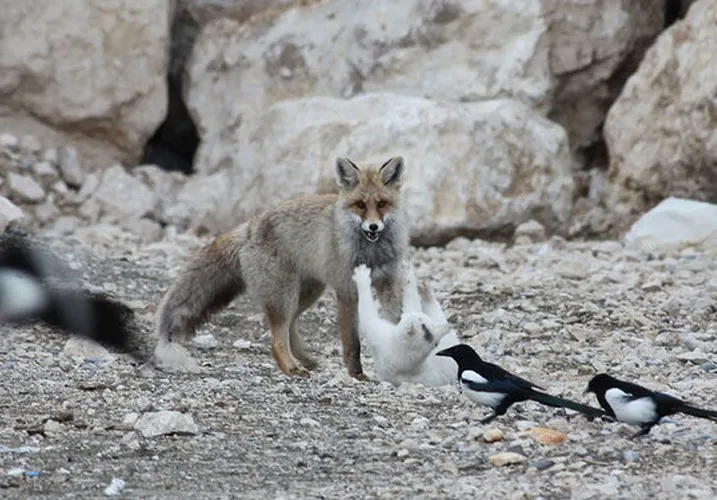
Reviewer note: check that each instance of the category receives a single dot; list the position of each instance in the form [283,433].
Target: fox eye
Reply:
[361,205]
[381,204]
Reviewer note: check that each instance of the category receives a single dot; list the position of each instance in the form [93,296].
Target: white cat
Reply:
[405,352]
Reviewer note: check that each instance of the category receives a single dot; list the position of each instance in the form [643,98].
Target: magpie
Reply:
[634,404]
[34,287]
[490,385]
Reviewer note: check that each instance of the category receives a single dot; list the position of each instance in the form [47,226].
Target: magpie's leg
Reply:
[644,430]
[498,411]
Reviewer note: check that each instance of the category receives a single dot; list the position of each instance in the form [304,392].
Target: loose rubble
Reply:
[238,424]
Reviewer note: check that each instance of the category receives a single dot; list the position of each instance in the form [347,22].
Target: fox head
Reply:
[370,194]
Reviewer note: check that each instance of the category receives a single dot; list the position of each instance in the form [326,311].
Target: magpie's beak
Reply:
[442,353]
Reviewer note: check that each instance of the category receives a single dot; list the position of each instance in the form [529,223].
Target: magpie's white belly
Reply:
[492,399]
[635,411]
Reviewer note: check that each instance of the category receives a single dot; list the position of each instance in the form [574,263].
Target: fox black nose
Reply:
[373,227]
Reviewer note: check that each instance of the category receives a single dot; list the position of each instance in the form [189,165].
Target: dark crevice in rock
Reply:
[675,10]
[173,145]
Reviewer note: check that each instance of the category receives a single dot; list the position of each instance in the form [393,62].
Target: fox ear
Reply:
[392,171]
[346,173]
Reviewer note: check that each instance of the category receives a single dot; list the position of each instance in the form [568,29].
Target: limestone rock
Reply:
[506,458]
[122,196]
[86,71]
[674,224]
[564,58]
[662,131]
[165,422]
[426,49]
[24,188]
[80,347]
[69,164]
[9,212]
[202,11]
[472,169]
[593,46]
[531,230]
[545,435]
[492,435]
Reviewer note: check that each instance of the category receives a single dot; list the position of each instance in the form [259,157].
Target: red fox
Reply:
[285,258]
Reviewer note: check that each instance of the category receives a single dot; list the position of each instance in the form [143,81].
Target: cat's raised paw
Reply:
[362,274]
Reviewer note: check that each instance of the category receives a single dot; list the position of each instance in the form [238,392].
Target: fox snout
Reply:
[371,229]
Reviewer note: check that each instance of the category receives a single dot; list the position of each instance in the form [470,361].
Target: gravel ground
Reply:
[554,312]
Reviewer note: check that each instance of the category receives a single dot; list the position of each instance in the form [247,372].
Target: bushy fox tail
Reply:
[209,282]
[28,294]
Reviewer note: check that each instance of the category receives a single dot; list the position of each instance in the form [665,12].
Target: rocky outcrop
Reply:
[474,169]
[426,49]
[594,47]
[500,103]
[662,131]
[85,72]
[562,57]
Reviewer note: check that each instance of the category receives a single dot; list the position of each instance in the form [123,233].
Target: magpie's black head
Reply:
[601,383]
[462,354]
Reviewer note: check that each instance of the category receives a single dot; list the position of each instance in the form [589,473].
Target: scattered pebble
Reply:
[492,435]
[165,422]
[69,163]
[24,188]
[242,345]
[115,487]
[506,458]
[15,472]
[206,342]
[542,464]
[543,435]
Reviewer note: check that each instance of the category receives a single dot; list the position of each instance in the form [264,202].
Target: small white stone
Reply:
[8,141]
[242,344]
[15,472]
[165,422]
[206,342]
[115,487]
[69,163]
[44,169]
[9,212]
[25,188]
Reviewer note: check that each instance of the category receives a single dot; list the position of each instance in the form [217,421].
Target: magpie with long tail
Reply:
[36,286]
[490,385]
[637,405]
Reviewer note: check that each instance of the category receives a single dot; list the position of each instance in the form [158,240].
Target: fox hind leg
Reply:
[279,322]
[310,292]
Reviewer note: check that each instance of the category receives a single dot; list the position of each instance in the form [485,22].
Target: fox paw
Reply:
[298,372]
[362,274]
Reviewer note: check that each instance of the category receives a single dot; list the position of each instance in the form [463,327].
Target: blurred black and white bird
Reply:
[490,385]
[35,286]
[636,405]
